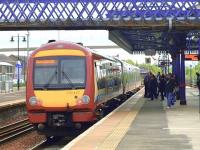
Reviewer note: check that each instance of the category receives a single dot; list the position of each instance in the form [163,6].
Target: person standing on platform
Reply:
[198,81]
[175,88]
[161,86]
[146,84]
[153,85]
[158,80]
[170,86]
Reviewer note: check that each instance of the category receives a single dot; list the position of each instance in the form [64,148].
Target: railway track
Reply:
[13,130]
[39,145]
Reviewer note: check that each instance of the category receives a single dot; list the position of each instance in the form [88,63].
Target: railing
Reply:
[90,13]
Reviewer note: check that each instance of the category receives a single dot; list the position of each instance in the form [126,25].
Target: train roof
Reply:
[70,45]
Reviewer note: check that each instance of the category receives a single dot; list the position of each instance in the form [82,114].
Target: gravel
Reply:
[23,142]
[11,120]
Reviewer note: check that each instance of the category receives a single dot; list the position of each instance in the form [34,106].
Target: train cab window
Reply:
[73,72]
[60,73]
[45,73]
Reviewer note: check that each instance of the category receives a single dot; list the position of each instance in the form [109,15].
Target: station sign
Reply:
[164,63]
[192,57]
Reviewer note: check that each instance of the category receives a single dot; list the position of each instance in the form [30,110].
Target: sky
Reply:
[87,37]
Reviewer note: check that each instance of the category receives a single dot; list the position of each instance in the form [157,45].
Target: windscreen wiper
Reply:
[68,79]
[50,80]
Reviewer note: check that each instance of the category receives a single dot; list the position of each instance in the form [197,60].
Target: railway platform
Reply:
[12,98]
[141,124]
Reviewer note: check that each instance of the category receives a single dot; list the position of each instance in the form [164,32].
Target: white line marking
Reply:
[181,128]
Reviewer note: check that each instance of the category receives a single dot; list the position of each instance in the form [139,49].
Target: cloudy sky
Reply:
[87,37]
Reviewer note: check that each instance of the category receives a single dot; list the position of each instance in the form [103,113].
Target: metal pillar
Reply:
[176,71]
[177,67]
[182,80]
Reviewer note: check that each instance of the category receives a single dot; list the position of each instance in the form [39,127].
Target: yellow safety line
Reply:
[112,141]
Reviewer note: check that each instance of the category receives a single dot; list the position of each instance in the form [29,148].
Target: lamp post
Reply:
[18,60]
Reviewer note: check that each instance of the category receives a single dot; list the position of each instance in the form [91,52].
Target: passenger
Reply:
[161,86]
[153,85]
[175,89]
[158,80]
[146,85]
[198,81]
[169,89]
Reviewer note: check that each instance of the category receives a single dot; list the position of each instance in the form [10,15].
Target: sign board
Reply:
[18,70]
[18,64]
[164,63]
[192,57]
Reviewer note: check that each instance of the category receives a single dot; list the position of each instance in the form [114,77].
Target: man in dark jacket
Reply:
[169,89]
[146,84]
[161,86]
[153,85]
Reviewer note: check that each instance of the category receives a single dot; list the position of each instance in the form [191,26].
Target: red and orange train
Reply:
[68,84]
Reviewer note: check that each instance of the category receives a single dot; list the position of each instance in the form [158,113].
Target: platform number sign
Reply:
[192,57]
[18,67]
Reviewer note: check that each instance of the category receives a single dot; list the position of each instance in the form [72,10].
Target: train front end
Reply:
[58,94]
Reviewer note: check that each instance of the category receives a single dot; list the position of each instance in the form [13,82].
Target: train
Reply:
[69,85]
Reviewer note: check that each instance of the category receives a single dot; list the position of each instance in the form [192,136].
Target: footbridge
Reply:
[164,26]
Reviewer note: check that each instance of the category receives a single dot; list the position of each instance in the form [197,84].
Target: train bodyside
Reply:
[131,77]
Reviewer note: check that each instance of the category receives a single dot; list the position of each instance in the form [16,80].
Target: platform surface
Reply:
[141,124]
[12,98]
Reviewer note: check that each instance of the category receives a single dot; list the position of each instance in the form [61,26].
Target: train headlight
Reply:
[33,101]
[85,99]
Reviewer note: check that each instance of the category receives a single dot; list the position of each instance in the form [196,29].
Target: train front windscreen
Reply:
[59,73]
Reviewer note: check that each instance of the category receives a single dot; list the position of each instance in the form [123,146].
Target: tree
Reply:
[153,68]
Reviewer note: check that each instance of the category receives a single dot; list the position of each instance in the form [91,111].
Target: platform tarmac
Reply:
[12,98]
[141,124]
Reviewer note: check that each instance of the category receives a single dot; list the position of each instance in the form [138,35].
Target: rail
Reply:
[13,130]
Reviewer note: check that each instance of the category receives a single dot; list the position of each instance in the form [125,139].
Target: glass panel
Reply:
[73,72]
[45,74]
[59,72]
